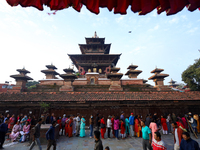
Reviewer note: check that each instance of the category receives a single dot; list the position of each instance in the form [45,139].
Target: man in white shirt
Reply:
[177,136]
[109,125]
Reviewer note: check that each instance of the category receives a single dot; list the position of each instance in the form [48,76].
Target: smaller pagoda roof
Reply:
[157,70]
[49,71]
[51,66]
[68,70]
[19,76]
[133,72]
[172,81]
[157,76]
[23,70]
[132,67]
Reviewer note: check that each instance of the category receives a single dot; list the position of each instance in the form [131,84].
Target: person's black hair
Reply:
[186,133]
[107,148]
[142,121]
[53,122]
[39,119]
[158,134]
[78,114]
[97,114]
[174,123]
[117,117]
[102,117]
[6,120]
[97,134]
[136,116]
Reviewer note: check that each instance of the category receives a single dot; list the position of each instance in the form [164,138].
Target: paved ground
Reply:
[77,143]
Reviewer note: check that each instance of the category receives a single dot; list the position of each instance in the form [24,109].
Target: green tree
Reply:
[44,107]
[31,83]
[191,76]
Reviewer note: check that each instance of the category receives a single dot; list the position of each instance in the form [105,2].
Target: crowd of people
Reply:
[120,127]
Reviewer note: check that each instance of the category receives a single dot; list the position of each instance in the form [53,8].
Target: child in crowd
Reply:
[107,148]
[122,129]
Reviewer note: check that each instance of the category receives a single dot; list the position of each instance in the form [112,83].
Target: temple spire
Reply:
[95,35]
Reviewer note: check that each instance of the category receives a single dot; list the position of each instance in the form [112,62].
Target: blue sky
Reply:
[32,39]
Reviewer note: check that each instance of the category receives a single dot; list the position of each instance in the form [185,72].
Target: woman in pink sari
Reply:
[26,129]
[15,131]
[11,122]
[153,127]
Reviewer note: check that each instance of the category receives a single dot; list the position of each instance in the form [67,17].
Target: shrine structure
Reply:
[21,80]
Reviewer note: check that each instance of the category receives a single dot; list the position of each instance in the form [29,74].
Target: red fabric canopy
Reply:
[120,6]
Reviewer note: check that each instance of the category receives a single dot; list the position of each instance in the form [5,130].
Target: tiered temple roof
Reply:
[132,73]
[21,75]
[95,54]
[173,84]
[158,77]
[50,72]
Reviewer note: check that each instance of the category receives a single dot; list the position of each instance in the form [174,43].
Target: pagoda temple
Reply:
[50,72]
[95,57]
[132,73]
[158,77]
[173,84]
[21,80]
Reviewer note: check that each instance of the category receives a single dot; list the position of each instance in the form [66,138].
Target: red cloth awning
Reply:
[120,6]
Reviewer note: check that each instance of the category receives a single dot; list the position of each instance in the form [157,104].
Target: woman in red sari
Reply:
[164,125]
[70,126]
[112,121]
[59,122]
[103,127]
[66,125]
[123,129]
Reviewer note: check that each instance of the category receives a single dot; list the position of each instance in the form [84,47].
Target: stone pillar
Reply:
[115,85]
[115,79]
[69,78]
[67,85]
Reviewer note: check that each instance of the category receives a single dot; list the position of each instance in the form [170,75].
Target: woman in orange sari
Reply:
[139,127]
[70,126]
[136,125]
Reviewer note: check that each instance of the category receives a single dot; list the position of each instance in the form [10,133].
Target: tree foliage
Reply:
[31,83]
[191,76]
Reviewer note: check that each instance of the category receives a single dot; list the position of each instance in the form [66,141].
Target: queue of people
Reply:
[120,127]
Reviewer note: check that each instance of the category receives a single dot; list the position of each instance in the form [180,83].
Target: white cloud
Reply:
[192,30]
[174,20]
[119,19]
[100,21]
[30,23]
[137,49]
[155,28]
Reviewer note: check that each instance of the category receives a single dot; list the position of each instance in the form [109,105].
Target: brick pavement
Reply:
[77,143]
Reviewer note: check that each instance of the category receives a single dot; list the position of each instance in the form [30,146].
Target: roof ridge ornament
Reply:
[95,35]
